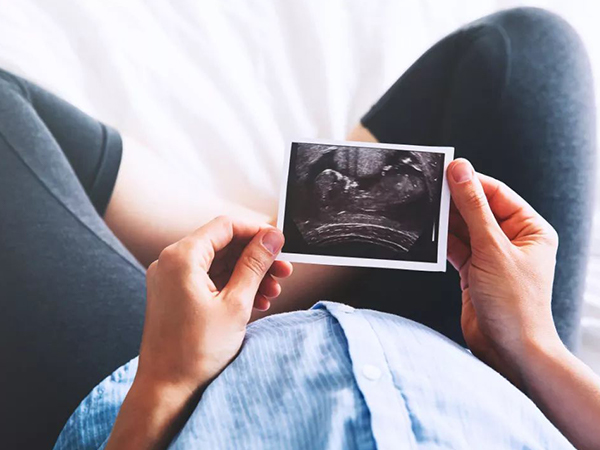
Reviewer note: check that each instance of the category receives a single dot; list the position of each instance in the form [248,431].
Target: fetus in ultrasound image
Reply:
[363,202]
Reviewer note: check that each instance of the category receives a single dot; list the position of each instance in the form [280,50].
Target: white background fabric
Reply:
[216,88]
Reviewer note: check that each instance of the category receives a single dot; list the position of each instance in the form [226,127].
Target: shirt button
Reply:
[346,309]
[371,372]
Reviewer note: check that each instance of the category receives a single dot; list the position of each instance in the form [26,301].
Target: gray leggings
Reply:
[511,92]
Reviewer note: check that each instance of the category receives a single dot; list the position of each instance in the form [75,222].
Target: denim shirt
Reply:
[335,377]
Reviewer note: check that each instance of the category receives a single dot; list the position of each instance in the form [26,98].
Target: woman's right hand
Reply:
[505,253]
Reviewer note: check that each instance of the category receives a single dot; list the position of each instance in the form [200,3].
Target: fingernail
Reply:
[273,241]
[462,171]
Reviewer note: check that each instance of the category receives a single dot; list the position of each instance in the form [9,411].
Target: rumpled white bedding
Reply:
[216,88]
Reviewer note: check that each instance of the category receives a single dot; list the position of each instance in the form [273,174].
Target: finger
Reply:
[203,243]
[470,200]
[269,287]
[503,201]
[281,269]
[261,302]
[253,264]
[513,212]
[457,225]
[458,252]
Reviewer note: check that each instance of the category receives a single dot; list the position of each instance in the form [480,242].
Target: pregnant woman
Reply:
[79,212]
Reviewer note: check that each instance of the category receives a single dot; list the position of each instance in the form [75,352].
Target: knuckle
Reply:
[237,303]
[491,243]
[255,264]
[173,256]
[502,188]
[475,200]
[151,269]
[552,236]
[166,254]
[224,220]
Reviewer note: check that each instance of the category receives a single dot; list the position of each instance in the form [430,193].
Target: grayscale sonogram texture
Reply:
[363,202]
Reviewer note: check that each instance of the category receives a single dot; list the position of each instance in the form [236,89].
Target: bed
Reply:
[216,89]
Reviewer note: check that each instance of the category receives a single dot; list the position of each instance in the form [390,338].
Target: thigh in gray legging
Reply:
[71,297]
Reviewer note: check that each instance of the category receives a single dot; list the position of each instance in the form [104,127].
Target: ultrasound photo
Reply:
[366,205]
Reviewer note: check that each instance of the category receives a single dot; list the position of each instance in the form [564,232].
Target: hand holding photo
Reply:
[366,205]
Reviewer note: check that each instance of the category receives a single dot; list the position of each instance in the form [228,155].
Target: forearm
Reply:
[150,417]
[566,390]
[153,206]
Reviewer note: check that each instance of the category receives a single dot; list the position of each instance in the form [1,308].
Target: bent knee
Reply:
[9,82]
[539,28]
[532,15]
[541,44]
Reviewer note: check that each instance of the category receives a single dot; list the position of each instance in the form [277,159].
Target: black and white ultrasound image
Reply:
[363,202]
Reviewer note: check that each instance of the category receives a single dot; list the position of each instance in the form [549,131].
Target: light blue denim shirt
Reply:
[335,377]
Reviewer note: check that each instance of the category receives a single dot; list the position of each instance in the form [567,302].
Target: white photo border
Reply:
[438,266]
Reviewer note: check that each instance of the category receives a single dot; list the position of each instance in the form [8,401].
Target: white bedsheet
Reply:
[216,87]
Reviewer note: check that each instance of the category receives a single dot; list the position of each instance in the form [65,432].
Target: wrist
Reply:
[539,352]
[167,378]
[529,342]
[162,393]
[151,415]
[543,346]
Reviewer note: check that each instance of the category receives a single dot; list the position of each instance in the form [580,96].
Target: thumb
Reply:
[254,263]
[470,200]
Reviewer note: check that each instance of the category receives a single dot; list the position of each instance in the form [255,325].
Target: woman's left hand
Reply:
[200,295]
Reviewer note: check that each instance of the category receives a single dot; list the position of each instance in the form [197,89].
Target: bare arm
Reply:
[200,295]
[151,415]
[152,207]
[505,253]
[566,390]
